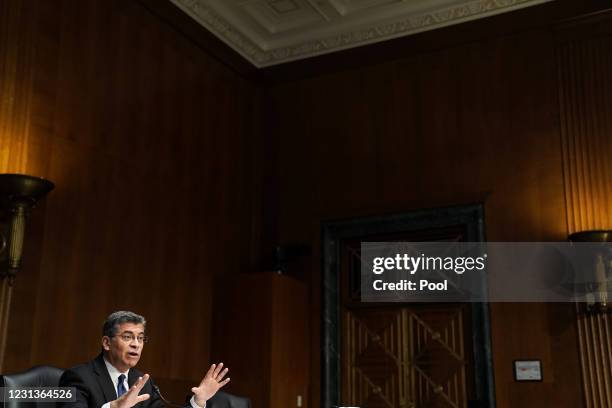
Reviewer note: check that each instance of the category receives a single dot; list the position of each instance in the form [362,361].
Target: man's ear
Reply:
[106,343]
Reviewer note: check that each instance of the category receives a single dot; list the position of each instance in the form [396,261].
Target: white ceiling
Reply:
[270,32]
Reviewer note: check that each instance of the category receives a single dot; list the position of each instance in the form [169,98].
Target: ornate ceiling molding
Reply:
[262,53]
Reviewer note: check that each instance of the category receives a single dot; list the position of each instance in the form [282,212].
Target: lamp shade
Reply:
[23,187]
[591,236]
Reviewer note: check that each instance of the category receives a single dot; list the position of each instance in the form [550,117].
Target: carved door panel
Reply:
[402,355]
[409,357]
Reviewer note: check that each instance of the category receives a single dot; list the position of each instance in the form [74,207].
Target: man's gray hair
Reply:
[115,319]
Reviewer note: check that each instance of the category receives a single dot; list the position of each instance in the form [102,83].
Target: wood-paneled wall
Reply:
[155,149]
[585,85]
[264,325]
[152,145]
[480,121]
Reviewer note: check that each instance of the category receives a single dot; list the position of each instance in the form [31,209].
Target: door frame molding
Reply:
[472,216]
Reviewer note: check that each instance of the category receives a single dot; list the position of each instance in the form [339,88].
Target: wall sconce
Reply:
[597,300]
[19,193]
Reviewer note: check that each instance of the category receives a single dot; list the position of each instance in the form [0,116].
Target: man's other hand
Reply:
[212,381]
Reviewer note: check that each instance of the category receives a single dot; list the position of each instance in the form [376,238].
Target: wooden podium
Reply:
[260,331]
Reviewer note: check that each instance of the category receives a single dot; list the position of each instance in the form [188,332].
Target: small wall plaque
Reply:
[527,370]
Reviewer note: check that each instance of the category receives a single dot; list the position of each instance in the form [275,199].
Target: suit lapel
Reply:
[132,377]
[104,380]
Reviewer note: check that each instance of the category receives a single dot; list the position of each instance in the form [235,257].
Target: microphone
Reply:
[165,401]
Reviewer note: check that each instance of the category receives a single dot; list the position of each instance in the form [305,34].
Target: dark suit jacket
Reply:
[94,386]
[224,400]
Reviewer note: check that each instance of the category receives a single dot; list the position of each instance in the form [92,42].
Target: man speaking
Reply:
[111,381]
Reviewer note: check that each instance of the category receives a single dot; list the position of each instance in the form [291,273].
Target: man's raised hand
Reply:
[210,384]
[131,397]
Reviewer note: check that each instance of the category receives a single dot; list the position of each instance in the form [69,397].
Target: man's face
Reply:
[123,350]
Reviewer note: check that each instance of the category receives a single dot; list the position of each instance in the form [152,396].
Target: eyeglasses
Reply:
[129,337]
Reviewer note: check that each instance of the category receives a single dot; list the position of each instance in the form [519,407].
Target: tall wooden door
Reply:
[402,355]
[413,355]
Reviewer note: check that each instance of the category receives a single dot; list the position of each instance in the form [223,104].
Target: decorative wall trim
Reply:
[260,56]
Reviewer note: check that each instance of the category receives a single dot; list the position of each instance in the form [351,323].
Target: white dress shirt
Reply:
[114,375]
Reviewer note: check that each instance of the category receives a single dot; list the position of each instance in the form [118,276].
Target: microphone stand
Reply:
[165,401]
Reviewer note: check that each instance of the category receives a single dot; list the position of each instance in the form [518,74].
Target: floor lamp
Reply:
[19,193]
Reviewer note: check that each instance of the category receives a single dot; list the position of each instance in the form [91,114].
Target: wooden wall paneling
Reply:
[16,71]
[261,334]
[584,88]
[23,145]
[243,333]
[473,122]
[289,376]
[138,128]
[187,26]
[585,84]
